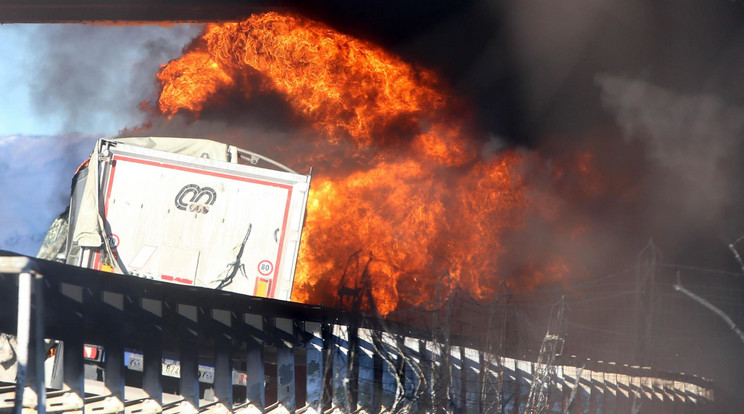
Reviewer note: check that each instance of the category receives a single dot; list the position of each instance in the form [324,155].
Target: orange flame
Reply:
[385,234]
[189,84]
[342,84]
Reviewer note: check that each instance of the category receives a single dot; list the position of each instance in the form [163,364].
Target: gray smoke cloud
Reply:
[35,181]
[655,90]
[92,78]
[692,137]
[89,81]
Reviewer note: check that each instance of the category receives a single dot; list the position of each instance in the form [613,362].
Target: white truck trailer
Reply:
[184,211]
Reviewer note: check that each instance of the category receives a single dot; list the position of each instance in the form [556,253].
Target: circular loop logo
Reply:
[189,198]
[265,267]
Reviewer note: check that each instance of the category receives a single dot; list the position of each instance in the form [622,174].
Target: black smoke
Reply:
[654,89]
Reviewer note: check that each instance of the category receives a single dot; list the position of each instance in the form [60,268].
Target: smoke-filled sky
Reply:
[654,90]
[84,79]
[63,87]
[657,84]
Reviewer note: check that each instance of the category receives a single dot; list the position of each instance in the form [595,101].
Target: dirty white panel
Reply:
[203,222]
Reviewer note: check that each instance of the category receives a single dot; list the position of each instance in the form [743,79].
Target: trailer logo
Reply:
[190,198]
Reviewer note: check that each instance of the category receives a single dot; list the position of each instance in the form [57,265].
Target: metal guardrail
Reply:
[293,357]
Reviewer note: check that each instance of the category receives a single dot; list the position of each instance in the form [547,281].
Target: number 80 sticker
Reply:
[265,267]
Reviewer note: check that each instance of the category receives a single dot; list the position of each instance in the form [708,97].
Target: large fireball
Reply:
[419,202]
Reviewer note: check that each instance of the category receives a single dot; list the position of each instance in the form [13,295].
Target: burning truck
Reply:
[184,211]
[180,210]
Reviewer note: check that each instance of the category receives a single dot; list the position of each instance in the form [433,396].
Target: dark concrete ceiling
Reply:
[383,18]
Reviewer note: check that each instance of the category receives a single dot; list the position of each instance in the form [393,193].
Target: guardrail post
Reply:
[378,367]
[555,396]
[314,367]
[37,355]
[411,371]
[524,382]
[659,402]
[509,385]
[353,367]
[597,392]
[328,349]
[340,368]
[583,396]
[679,396]
[488,383]
[188,317]
[440,376]
[38,352]
[457,394]
[152,354]
[285,364]
[670,397]
[427,372]
[471,370]
[692,398]
[72,348]
[387,368]
[649,397]
[366,379]
[29,334]
[73,371]
[221,324]
[636,394]
[624,394]
[611,391]
[112,305]
[255,390]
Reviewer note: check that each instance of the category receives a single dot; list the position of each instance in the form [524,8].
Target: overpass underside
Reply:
[67,11]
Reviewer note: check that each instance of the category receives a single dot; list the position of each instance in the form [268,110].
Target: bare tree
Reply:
[575,389]
[551,347]
[732,247]
[678,287]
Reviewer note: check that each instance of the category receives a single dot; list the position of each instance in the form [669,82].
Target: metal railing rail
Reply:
[291,357]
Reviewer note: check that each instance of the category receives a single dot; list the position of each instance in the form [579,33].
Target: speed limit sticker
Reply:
[265,267]
[113,240]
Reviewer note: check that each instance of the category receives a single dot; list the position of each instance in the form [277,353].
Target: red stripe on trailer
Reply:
[183,280]
[275,278]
